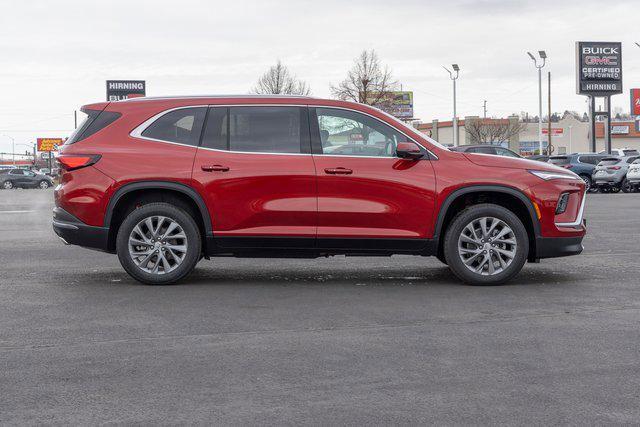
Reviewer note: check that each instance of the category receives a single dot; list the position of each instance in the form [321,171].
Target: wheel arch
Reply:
[152,191]
[508,197]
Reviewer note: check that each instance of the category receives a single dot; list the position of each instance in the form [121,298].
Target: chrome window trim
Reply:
[138,130]
[579,218]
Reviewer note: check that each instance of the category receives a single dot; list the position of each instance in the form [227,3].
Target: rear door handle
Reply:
[214,168]
[338,171]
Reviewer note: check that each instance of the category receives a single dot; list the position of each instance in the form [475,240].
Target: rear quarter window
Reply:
[95,121]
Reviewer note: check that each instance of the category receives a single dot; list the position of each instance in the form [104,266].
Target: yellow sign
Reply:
[49,144]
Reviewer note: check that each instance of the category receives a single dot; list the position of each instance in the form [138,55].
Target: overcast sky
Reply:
[56,55]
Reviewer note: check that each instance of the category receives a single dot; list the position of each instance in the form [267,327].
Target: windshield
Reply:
[402,125]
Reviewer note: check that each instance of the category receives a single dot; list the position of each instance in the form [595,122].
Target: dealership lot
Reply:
[337,340]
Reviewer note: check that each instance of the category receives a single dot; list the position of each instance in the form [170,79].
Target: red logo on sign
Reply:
[635,102]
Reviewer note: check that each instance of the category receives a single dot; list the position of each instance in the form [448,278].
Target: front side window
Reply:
[348,133]
[181,126]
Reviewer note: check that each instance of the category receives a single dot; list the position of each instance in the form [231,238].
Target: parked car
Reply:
[495,150]
[609,175]
[622,152]
[22,178]
[582,164]
[163,182]
[539,158]
[633,176]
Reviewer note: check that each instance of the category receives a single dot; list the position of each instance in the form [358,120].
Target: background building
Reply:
[569,134]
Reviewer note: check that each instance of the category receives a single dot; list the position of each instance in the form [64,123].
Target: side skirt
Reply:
[308,247]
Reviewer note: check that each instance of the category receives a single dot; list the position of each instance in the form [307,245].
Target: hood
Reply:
[511,163]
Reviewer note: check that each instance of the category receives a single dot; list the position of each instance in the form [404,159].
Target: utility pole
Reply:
[549,147]
[543,56]
[456,68]
[485,109]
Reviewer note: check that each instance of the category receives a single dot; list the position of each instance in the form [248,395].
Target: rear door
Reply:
[254,168]
[365,192]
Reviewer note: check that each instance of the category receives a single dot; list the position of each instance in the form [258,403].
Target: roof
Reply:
[236,96]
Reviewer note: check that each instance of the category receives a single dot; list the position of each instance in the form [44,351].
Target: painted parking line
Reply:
[14,212]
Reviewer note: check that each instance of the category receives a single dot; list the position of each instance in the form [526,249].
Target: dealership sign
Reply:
[397,103]
[49,144]
[599,68]
[125,89]
[635,102]
[555,132]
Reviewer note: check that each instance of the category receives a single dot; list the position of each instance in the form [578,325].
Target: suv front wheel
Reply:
[486,245]
[158,244]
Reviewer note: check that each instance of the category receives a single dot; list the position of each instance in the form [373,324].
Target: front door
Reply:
[364,190]
[256,173]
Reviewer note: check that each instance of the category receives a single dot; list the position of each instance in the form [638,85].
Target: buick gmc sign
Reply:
[124,89]
[599,68]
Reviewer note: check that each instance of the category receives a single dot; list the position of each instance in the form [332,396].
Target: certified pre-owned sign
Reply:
[599,68]
[124,89]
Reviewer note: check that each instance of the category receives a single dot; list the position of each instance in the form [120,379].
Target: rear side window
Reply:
[96,120]
[482,150]
[265,129]
[631,159]
[630,152]
[257,129]
[559,160]
[181,126]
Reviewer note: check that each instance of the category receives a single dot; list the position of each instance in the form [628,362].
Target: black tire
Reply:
[7,185]
[442,259]
[43,185]
[587,181]
[193,243]
[456,228]
[615,189]
[626,186]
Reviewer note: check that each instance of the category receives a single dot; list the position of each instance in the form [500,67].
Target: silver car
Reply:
[609,175]
[633,176]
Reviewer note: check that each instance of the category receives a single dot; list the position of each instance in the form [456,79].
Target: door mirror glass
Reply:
[409,150]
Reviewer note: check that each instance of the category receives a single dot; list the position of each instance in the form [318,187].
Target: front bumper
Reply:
[72,231]
[553,247]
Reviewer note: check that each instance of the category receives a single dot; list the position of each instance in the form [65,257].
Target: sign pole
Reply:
[592,120]
[608,140]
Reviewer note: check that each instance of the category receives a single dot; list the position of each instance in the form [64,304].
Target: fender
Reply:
[167,185]
[480,188]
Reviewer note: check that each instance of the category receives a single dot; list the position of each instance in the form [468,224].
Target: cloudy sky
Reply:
[56,55]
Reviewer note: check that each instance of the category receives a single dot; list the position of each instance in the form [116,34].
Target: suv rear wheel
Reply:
[158,244]
[587,181]
[486,245]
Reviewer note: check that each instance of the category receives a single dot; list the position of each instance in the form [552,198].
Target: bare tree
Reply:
[492,131]
[367,82]
[279,80]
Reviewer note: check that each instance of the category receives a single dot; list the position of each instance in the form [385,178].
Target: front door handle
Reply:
[214,168]
[338,171]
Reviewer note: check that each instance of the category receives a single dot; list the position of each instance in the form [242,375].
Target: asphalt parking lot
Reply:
[327,341]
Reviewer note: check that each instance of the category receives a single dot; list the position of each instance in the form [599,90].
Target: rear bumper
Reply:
[607,180]
[553,247]
[74,232]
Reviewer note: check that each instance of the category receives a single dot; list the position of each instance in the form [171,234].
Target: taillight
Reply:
[615,168]
[76,161]
[566,166]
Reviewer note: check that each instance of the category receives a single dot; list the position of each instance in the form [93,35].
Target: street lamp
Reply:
[456,68]
[543,56]
[13,148]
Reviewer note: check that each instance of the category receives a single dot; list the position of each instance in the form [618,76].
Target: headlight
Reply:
[547,176]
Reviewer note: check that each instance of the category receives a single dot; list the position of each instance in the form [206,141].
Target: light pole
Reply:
[13,149]
[570,139]
[543,56]
[456,68]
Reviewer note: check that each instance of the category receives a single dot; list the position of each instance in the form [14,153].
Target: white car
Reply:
[633,175]
[623,152]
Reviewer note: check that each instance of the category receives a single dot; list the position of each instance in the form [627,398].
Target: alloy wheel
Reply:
[587,182]
[44,185]
[487,246]
[157,245]
[7,185]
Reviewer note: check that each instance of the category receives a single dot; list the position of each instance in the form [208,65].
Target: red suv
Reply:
[164,182]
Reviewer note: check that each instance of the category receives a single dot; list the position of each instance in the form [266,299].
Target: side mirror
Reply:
[409,150]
